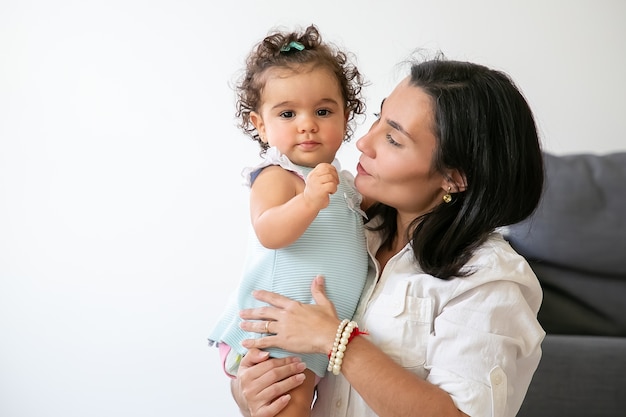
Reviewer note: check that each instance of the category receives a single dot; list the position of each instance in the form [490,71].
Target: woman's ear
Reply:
[455,181]
[257,122]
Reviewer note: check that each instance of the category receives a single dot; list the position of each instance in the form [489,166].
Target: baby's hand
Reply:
[320,184]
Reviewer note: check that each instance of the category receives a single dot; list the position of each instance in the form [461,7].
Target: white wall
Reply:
[121,210]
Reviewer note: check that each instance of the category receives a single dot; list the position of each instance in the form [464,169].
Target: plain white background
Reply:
[122,214]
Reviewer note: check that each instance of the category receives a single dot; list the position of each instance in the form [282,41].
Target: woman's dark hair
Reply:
[277,51]
[484,129]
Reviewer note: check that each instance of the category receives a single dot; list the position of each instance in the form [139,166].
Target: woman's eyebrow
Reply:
[393,123]
[398,127]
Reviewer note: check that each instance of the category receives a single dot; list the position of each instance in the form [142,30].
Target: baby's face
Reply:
[303,114]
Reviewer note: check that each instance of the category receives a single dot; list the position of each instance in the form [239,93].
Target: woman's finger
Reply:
[273,378]
[260,343]
[272,298]
[260,313]
[291,325]
[254,357]
[264,383]
[263,327]
[275,406]
[318,291]
[282,379]
[276,301]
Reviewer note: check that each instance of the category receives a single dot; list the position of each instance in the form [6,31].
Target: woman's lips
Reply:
[360,170]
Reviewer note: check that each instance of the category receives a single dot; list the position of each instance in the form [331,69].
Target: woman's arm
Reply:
[262,386]
[281,208]
[388,389]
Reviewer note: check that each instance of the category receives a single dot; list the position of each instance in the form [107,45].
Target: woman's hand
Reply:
[262,384]
[293,326]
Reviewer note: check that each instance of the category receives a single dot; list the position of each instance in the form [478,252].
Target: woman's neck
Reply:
[404,227]
[386,252]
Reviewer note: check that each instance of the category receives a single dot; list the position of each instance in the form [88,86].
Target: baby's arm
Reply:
[282,206]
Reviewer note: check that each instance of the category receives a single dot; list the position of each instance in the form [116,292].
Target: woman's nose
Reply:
[364,142]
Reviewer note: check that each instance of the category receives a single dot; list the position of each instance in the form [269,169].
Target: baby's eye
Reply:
[323,112]
[287,114]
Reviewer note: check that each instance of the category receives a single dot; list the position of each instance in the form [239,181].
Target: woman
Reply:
[450,309]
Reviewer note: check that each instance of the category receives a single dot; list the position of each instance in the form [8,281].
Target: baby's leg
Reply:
[301,398]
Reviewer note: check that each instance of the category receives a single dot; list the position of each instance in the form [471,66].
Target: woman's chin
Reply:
[361,182]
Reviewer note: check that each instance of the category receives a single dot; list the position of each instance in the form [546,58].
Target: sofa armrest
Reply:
[578,376]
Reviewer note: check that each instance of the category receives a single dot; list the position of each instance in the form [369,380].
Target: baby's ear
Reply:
[257,122]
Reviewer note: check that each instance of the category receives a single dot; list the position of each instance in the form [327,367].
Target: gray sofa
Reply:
[576,244]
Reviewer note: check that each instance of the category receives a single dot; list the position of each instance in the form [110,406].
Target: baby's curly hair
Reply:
[273,51]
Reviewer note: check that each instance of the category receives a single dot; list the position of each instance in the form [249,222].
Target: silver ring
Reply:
[267,327]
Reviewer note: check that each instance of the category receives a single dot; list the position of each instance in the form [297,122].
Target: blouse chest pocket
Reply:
[400,324]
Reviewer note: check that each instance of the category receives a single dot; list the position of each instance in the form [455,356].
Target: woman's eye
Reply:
[391,141]
[287,114]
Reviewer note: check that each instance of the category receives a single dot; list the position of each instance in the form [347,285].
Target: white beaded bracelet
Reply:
[339,346]
[333,352]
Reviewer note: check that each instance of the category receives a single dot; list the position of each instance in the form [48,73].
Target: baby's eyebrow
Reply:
[292,104]
[281,104]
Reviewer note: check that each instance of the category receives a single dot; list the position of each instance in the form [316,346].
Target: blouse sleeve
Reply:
[486,344]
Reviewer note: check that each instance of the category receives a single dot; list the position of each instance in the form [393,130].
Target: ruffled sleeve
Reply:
[271,157]
[353,197]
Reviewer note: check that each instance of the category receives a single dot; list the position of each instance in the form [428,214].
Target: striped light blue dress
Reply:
[333,246]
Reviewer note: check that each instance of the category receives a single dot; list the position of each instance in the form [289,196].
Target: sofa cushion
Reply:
[576,244]
[578,376]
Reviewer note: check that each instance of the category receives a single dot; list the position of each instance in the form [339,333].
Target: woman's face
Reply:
[395,167]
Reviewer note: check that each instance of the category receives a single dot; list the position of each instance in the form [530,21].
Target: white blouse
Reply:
[475,337]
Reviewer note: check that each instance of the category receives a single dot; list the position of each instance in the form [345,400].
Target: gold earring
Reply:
[447,197]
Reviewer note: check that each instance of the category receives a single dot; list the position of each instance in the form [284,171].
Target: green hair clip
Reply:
[292,44]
